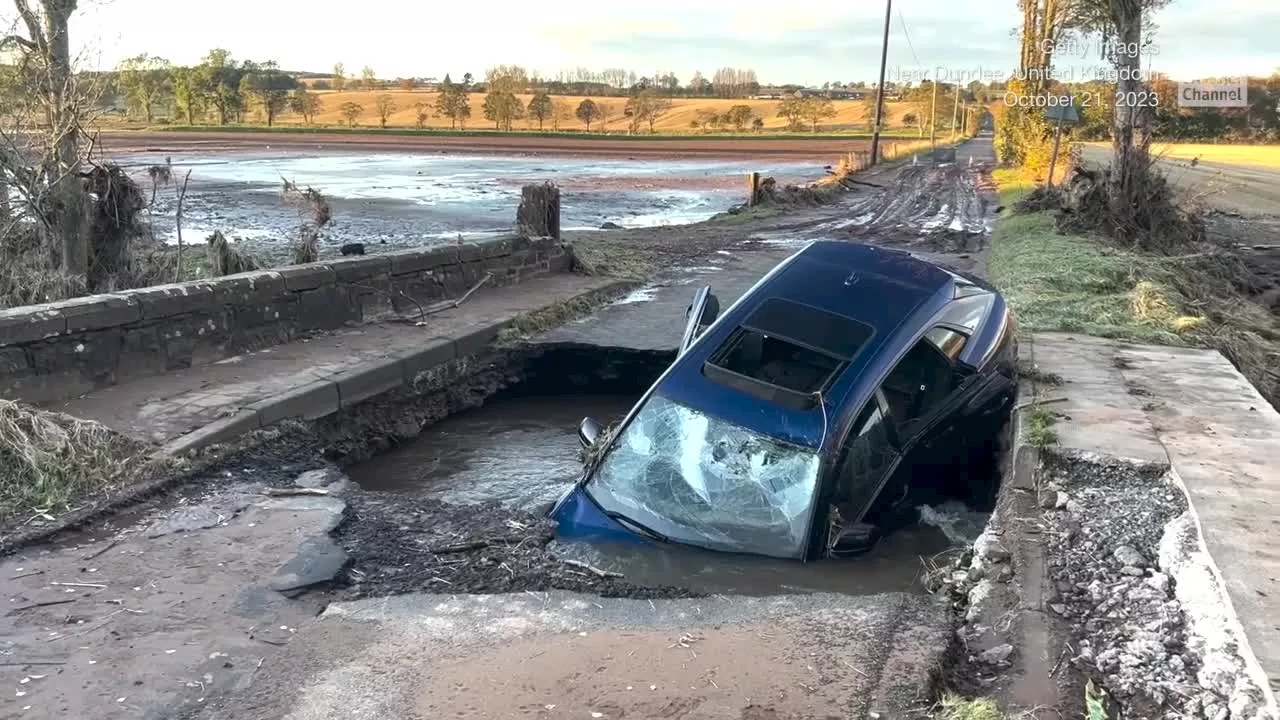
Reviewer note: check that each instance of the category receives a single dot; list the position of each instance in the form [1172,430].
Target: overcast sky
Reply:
[811,41]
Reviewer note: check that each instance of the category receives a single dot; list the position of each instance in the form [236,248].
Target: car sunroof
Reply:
[790,346]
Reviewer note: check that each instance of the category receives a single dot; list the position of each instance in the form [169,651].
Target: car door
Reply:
[868,456]
[703,311]
[925,392]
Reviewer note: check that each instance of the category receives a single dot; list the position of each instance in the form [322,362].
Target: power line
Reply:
[903,22]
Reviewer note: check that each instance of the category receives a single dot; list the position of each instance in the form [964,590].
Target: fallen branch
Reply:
[98,586]
[469,546]
[7,663]
[91,628]
[451,304]
[103,549]
[46,603]
[292,492]
[1038,401]
[592,569]
[26,574]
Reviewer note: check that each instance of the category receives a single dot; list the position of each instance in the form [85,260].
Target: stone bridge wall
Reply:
[57,351]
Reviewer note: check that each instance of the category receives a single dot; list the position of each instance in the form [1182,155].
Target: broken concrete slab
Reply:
[319,560]
[194,517]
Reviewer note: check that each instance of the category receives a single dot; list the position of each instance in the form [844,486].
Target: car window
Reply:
[920,382]
[867,454]
[967,312]
[948,341]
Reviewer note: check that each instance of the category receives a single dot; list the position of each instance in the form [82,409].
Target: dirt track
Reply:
[825,149]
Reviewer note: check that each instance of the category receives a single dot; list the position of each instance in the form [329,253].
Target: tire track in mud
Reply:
[940,207]
[943,209]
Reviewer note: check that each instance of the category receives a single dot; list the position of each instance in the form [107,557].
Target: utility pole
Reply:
[884,56]
[955,114]
[933,115]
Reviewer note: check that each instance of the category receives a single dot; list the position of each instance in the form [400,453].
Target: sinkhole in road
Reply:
[520,450]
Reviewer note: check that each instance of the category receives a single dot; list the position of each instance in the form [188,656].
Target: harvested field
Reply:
[822,148]
[851,115]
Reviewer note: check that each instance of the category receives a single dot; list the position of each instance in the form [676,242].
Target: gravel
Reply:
[1112,550]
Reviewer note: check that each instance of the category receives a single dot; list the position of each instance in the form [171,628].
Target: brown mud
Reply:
[819,149]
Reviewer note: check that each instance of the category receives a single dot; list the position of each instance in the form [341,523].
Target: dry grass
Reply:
[49,460]
[850,114]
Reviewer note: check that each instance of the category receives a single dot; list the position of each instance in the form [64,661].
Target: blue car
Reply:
[797,423]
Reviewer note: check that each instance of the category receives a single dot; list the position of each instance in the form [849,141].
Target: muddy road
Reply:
[433,560]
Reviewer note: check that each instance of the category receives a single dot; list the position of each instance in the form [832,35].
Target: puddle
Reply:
[520,452]
[894,565]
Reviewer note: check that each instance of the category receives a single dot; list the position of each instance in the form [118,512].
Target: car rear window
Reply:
[792,346]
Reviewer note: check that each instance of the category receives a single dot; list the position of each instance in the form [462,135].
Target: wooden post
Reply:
[539,211]
[753,188]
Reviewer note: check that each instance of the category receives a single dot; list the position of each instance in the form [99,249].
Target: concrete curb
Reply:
[327,396]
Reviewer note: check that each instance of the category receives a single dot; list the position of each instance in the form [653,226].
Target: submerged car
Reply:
[797,423]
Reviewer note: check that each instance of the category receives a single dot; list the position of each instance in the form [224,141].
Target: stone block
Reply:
[497,247]
[433,354]
[425,259]
[219,431]
[325,308]
[307,277]
[14,361]
[374,379]
[22,325]
[197,338]
[143,351]
[360,268]
[477,340]
[92,357]
[254,327]
[309,402]
[164,301]
[96,312]
[469,252]
[251,288]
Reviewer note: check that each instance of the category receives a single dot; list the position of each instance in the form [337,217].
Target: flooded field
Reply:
[408,199]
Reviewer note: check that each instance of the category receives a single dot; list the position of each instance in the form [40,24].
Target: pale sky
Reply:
[810,41]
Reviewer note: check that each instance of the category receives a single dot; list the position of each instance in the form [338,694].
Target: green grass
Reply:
[1040,432]
[482,132]
[1069,283]
[1072,283]
[50,461]
[954,707]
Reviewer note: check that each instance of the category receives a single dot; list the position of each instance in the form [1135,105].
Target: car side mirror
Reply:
[588,431]
[855,540]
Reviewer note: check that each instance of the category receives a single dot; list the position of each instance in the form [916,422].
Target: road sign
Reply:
[1064,112]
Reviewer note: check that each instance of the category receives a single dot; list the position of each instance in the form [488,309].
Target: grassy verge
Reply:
[48,461]
[488,133]
[1072,283]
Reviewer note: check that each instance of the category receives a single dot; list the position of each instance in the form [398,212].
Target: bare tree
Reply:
[53,190]
[1121,24]
[385,105]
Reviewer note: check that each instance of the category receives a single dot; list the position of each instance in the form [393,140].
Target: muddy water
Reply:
[520,452]
[523,453]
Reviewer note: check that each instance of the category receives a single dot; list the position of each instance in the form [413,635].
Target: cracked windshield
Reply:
[708,481]
[604,360]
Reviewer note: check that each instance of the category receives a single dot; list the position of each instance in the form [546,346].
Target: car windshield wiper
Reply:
[640,527]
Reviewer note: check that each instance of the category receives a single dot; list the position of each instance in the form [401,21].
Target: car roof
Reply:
[878,287]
